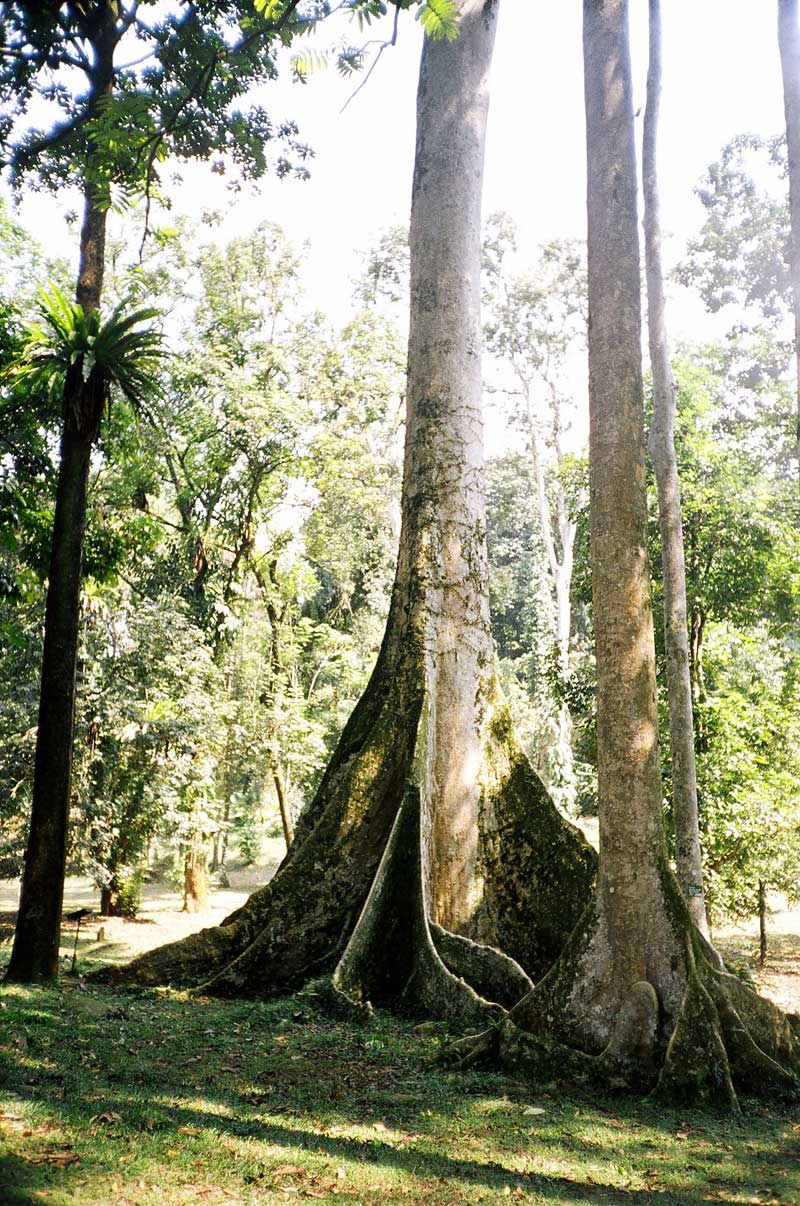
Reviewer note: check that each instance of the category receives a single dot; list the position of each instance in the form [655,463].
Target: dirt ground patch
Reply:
[161,919]
[779,979]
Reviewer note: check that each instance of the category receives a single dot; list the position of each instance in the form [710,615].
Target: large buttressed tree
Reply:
[126,90]
[637,997]
[430,842]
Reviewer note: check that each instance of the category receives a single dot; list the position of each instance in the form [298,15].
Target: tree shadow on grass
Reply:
[324,1076]
[19,1180]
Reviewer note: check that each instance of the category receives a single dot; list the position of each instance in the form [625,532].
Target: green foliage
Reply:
[749,769]
[739,263]
[741,255]
[439,18]
[742,558]
[171,84]
[121,352]
[237,580]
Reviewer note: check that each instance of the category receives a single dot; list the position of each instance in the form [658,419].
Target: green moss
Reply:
[696,1068]
[538,869]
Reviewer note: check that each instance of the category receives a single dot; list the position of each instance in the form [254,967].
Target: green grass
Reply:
[155,1099]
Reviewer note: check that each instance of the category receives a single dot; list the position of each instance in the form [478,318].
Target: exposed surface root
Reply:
[408,968]
[492,973]
[349,898]
[696,1069]
[722,1039]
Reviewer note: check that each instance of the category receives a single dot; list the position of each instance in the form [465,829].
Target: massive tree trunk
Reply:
[429,836]
[34,956]
[636,998]
[789,44]
[688,856]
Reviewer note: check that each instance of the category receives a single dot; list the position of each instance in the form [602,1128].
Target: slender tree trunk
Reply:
[762,922]
[224,851]
[195,880]
[429,836]
[688,855]
[283,803]
[561,576]
[34,956]
[109,898]
[789,44]
[278,674]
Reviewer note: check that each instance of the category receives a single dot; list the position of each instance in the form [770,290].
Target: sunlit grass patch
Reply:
[159,1099]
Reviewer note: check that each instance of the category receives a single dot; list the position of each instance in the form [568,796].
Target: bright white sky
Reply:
[722,78]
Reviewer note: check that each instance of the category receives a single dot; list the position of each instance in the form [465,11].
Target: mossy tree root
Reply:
[391,953]
[725,1039]
[349,898]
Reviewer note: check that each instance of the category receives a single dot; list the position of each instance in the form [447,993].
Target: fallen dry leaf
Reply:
[106,1117]
[60,1158]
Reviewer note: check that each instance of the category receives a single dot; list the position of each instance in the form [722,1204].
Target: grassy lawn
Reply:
[158,1099]
[155,1099]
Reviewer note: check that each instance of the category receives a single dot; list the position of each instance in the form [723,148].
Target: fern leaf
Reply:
[440,19]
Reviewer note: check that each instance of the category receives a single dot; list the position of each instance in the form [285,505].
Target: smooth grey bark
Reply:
[633,925]
[443,501]
[789,45]
[688,856]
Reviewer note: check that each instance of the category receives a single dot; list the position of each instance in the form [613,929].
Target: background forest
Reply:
[307,706]
[243,522]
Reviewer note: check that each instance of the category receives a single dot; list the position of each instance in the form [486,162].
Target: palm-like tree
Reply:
[84,360]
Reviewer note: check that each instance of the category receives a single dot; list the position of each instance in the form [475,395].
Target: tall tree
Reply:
[86,359]
[789,44]
[636,985]
[688,856]
[429,827]
[199,59]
